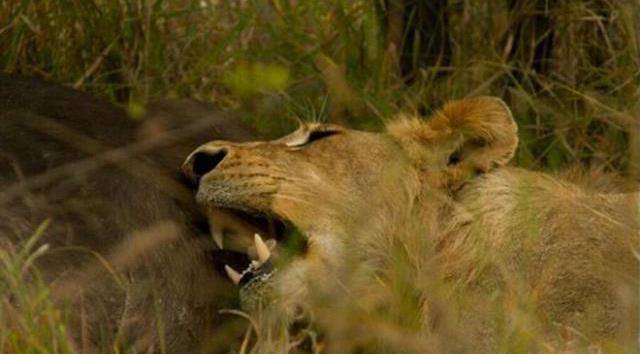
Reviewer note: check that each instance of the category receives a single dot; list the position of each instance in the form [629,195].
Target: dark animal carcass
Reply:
[129,256]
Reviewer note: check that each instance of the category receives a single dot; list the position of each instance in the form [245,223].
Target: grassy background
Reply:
[569,69]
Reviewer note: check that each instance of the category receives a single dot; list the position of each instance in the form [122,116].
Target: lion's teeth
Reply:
[217,238]
[233,275]
[261,249]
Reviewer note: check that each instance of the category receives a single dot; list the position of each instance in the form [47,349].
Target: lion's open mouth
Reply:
[234,230]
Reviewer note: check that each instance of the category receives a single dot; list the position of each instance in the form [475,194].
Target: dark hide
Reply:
[130,255]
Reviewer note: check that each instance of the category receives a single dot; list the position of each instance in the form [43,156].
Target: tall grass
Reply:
[569,69]
[29,320]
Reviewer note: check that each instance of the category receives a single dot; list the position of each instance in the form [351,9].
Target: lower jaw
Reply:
[290,240]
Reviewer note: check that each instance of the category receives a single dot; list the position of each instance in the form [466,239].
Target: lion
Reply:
[423,239]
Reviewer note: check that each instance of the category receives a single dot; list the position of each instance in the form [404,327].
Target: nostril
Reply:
[204,162]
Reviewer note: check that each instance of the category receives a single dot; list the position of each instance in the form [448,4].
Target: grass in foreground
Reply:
[29,320]
[570,71]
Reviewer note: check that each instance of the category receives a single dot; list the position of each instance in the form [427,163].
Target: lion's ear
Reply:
[464,138]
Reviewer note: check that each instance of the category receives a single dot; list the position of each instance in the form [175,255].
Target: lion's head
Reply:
[310,174]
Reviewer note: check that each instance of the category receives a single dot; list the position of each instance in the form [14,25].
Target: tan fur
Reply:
[487,252]
[480,129]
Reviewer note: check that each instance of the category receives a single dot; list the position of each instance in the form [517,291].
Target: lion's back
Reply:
[570,250]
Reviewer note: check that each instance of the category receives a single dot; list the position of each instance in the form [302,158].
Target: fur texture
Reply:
[422,239]
[128,261]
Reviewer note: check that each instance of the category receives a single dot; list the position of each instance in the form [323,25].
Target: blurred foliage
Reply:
[29,320]
[569,69]
[247,80]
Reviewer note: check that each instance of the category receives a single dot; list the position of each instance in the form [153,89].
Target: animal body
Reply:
[129,260]
[423,239]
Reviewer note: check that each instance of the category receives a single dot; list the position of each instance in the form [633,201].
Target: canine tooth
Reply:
[233,275]
[262,249]
[217,238]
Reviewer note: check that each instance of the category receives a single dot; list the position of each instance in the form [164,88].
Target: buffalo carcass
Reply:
[129,256]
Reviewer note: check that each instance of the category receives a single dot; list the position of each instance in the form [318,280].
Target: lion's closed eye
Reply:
[320,134]
[313,136]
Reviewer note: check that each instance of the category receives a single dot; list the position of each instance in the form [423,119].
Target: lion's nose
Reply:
[203,161]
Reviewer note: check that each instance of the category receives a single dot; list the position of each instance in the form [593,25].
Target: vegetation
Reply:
[569,70]
[29,320]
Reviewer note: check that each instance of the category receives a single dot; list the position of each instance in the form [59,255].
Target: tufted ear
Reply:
[464,138]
